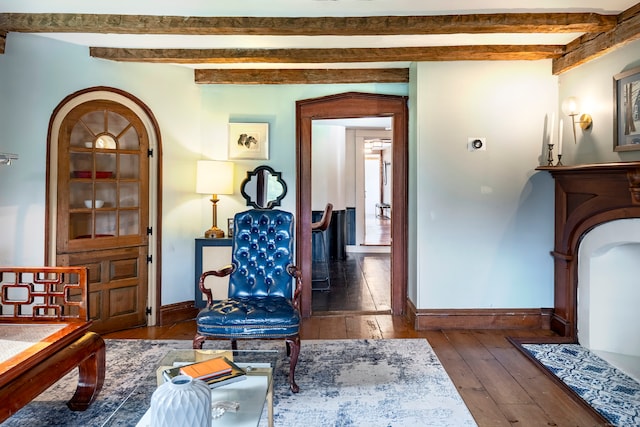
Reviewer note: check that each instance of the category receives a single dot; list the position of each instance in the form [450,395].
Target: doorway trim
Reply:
[155,181]
[355,105]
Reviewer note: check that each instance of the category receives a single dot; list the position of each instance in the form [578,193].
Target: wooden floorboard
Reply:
[499,385]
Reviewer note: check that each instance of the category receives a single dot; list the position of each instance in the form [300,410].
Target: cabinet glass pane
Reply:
[78,193]
[129,223]
[129,140]
[80,225]
[105,223]
[105,165]
[129,166]
[106,192]
[105,142]
[116,123]
[94,121]
[129,195]
[81,165]
[81,137]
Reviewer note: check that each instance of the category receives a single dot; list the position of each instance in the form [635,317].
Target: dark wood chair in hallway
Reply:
[320,264]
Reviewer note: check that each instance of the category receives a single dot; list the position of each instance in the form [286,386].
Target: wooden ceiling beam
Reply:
[399,54]
[302,76]
[307,26]
[587,48]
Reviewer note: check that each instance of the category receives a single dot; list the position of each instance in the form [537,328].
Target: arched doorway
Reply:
[354,105]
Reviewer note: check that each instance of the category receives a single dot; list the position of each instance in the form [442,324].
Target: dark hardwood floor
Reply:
[360,283]
[499,385]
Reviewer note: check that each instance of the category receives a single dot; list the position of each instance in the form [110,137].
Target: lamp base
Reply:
[585,121]
[214,233]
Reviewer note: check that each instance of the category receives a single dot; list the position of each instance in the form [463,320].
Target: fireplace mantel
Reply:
[585,196]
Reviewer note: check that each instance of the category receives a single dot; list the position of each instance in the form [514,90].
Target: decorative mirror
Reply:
[263,188]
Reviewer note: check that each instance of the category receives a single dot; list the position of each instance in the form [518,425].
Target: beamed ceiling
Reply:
[331,49]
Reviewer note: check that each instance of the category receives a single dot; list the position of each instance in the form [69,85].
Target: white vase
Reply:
[181,402]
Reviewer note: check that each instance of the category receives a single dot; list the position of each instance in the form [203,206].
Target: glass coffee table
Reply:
[251,393]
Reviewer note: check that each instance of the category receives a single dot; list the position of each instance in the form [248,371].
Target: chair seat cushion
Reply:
[269,317]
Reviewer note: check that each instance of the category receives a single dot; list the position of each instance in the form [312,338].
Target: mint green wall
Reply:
[480,225]
[483,220]
[37,73]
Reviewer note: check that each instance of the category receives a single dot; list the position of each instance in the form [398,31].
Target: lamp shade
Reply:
[214,177]
[571,106]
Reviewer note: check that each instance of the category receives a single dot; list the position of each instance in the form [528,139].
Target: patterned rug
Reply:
[615,395]
[398,382]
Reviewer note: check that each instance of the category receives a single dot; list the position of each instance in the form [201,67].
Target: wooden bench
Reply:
[44,334]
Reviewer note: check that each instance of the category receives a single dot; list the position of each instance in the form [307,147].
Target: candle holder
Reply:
[550,155]
[559,160]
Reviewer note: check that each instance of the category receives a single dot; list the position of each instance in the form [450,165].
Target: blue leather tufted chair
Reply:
[264,287]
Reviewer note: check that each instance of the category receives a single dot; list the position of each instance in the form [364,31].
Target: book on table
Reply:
[215,372]
[207,369]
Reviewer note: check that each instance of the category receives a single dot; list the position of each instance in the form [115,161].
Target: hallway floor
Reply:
[360,283]
[378,231]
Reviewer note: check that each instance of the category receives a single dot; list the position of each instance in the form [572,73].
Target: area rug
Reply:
[396,382]
[612,393]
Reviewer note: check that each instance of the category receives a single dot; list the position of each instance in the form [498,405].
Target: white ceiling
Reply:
[300,8]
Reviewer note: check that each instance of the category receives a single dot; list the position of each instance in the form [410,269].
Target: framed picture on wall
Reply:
[249,141]
[626,126]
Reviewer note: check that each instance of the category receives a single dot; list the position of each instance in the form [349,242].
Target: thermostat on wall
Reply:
[476,144]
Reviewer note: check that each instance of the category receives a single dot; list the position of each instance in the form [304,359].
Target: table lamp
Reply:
[214,177]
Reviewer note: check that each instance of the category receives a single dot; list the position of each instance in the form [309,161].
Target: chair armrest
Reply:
[225,271]
[297,274]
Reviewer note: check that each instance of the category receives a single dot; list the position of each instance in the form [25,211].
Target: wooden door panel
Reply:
[116,299]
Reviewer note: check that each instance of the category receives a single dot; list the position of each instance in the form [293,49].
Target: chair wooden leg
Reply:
[234,345]
[293,344]
[198,340]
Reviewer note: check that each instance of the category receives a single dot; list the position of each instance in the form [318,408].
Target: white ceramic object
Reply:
[182,402]
[89,203]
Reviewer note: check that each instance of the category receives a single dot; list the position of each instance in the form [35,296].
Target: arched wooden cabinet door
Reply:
[103,208]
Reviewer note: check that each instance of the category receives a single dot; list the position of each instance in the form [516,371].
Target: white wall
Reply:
[593,84]
[328,167]
[608,293]
[608,290]
[484,220]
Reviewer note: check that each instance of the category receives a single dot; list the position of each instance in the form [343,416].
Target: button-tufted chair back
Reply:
[262,251]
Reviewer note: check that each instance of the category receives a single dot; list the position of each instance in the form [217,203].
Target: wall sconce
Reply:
[7,158]
[214,177]
[571,107]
